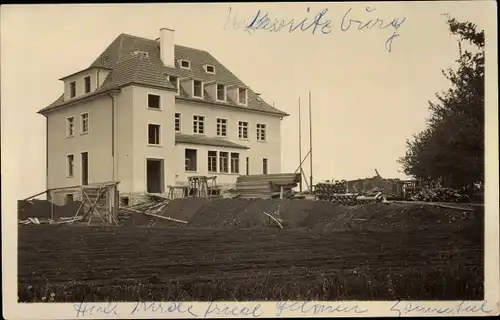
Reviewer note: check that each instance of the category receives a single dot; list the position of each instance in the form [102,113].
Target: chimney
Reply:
[167,46]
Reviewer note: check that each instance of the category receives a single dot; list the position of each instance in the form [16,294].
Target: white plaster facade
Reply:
[131,148]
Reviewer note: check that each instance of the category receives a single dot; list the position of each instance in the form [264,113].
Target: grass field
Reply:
[400,261]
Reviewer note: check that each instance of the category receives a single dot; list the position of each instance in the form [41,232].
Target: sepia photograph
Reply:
[304,154]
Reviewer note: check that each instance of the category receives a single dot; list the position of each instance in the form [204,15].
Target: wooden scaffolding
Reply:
[100,200]
[96,200]
[202,187]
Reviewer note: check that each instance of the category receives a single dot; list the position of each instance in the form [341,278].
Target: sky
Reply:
[366,101]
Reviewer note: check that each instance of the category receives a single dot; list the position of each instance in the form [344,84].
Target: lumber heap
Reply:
[152,206]
[326,190]
[440,195]
[61,220]
[337,191]
[266,186]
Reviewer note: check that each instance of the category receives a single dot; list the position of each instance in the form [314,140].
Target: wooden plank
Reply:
[78,210]
[94,206]
[36,195]
[51,210]
[276,220]
[435,204]
[162,217]
[154,215]
[66,221]
[160,196]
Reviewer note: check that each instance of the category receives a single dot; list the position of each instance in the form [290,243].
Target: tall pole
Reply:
[310,144]
[300,149]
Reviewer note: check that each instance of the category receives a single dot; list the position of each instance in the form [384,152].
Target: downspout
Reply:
[46,153]
[112,96]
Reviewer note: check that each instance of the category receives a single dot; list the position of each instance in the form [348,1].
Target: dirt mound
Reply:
[299,213]
[241,213]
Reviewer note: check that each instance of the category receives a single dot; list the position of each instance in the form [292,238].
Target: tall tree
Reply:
[451,149]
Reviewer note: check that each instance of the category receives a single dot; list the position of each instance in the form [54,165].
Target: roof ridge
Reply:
[128,66]
[154,40]
[182,46]
[133,36]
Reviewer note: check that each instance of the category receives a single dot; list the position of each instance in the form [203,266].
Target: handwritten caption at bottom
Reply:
[214,309]
[280,308]
[434,309]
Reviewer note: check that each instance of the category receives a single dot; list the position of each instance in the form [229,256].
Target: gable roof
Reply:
[150,71]
[82,71]
[132,69]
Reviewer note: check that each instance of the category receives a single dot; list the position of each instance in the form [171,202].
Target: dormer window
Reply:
[185,64]
[143,54]
[242,96]
[197,89]
[210,69]
[87,84]
[174,80]
[72,89]
[221,92]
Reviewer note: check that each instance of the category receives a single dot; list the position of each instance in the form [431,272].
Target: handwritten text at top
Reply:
[354,20]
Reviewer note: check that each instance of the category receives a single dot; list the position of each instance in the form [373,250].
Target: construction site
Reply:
[268,237]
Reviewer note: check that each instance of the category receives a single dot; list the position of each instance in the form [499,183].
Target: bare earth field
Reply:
[369,252]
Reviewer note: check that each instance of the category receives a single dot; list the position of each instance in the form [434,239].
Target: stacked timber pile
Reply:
[337,192]
[440,195]
[266,186]
[391,188]
[328,190]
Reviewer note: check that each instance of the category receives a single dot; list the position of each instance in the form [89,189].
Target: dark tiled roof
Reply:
[153,69]
[131,69]
[207,141]
[135,69]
